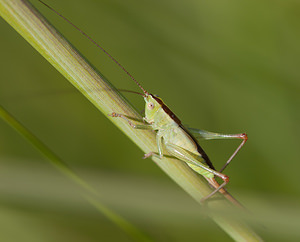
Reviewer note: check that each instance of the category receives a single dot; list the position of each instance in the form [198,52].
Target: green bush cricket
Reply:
[181,143]
[171,136]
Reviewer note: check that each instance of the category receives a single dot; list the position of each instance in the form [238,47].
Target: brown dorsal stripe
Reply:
[167,110]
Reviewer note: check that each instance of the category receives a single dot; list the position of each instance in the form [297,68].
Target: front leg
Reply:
[145,127]
[128,119]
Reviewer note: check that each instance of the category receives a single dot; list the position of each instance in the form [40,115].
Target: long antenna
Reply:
[95,43]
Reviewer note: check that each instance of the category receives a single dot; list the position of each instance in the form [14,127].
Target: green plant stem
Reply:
[26,20]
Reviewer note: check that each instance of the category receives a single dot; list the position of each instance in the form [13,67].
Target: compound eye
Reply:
[150,106]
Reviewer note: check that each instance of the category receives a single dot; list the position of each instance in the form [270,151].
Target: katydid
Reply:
[171,136]
[181,143]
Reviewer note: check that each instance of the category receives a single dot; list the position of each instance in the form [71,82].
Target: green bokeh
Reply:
[227,66]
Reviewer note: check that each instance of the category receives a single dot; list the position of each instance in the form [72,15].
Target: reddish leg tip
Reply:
[225,178]
[244,136]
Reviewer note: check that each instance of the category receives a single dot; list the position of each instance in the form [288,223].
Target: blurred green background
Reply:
[227,66]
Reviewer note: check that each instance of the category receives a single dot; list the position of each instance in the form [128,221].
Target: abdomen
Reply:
[181,145]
